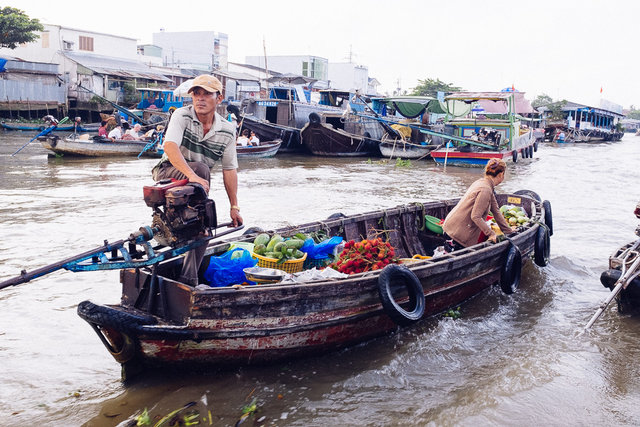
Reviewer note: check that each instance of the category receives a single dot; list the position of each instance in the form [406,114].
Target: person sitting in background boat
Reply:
[134,133]
[116,132]
[253,139]
[560,136]
[102,130]
[466,224]
[243,140]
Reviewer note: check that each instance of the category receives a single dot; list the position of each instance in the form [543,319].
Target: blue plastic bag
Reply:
[320,250]
[226,269]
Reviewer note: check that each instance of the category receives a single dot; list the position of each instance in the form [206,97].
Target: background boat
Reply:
[99,147]
[405,149]
[265,149]
[90,127]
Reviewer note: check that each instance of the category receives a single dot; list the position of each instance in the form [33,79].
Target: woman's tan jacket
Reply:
[468,218]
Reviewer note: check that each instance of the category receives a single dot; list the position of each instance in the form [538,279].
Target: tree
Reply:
[431,87]
[633,113]
[542,101]
[16,28]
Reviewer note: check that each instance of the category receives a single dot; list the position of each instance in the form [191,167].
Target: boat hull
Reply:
[266,149]
[92,148]
[324,140]
[289,137]
[405,150]
[629,298]
[177,324]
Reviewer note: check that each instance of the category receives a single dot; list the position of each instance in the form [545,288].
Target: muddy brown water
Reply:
[507,360]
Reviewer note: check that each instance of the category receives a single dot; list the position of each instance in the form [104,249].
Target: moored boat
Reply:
[161,321]
[476,139]
[92,127]
[624,269]
[75,145]
[322,139]
[405,149]
[265,149]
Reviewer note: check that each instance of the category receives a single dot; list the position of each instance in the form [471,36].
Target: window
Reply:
[67,45]
[86,43]
[45,39]
[305,69]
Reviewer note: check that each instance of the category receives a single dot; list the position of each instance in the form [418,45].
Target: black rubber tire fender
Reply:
[514,155]
[542,246]
[252,230]
[336,215]
[548,216]
[314,118]
[531,151]
[511,270]
[535,146]
[529,193]
[393,274]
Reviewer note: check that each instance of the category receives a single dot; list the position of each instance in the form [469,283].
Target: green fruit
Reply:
[278,247]
[262,239]
[259,249]
[275,239]
[298,254]
[294,243]
[522,219]
[513,221]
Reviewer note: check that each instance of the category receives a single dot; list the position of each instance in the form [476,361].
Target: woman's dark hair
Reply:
[102,123]
[125,125]
[245,132]
[495,167]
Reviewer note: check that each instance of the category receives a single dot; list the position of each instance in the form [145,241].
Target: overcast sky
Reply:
[565,49]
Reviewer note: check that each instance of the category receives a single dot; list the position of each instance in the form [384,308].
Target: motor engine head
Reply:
[181,211]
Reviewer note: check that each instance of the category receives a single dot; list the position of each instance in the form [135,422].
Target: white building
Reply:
[99,62]
[314,67]
[201,50]
[348,76]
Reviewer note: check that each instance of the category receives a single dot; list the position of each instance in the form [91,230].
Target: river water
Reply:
[508,360]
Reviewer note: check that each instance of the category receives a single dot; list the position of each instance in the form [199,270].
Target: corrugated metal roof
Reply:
[237,76]
[116,66]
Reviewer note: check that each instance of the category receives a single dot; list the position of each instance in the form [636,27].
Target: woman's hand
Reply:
[492,238]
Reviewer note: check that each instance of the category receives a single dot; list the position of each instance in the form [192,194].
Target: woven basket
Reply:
[291,266]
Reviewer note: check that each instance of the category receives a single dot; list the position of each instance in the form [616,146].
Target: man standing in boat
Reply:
[196,138]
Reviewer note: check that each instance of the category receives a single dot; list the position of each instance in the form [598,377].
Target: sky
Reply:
[581,51]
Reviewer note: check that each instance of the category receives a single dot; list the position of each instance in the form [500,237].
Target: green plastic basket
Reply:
[434,224]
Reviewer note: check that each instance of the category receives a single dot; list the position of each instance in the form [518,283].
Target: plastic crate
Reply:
[290,266]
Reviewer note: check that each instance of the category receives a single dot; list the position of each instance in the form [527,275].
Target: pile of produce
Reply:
[515,215]
[366,255]
[277,247]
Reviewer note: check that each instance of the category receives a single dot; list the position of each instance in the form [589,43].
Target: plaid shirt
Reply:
[219,143]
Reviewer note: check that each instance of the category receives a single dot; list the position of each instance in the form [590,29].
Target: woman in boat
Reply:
[466,224]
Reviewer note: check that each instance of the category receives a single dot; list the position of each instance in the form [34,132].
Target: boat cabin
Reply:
[159,99]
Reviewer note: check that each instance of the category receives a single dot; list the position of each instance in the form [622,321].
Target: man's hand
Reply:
[493,238]
[236,218]
[195,178]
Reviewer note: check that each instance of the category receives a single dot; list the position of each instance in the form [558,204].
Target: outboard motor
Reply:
[181,211]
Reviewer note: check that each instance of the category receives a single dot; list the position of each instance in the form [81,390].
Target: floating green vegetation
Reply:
[377,162]
[453,313]
[400,163]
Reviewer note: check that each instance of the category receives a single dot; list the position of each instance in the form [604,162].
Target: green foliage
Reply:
[400,163]
[633,113]
[555,110]
[131,95]
[430,87]
[17,28]
[542,101]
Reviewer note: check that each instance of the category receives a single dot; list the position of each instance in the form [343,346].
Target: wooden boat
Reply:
[99,147]
[267,131]
[405,149]
[625,260]
[265,149]
[508,141]
[322,139]
[161,321]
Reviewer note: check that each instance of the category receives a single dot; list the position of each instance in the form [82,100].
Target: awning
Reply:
[116,67]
